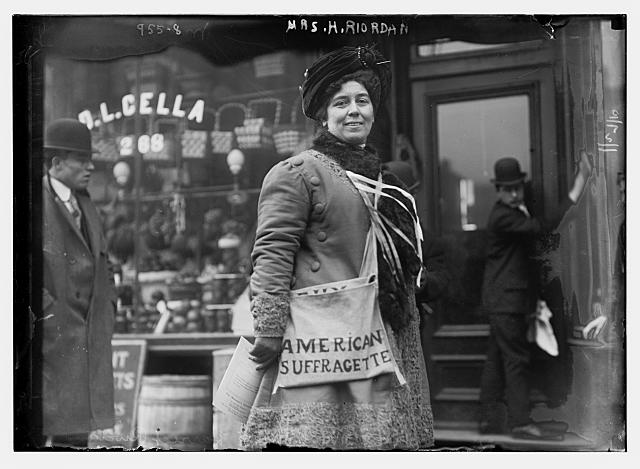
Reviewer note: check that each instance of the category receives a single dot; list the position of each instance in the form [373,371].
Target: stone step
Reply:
[472,394]
[460,338]
[456,370]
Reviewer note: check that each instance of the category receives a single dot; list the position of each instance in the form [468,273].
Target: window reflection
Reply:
[472,135]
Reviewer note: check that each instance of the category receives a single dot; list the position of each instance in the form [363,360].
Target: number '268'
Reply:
[146,143]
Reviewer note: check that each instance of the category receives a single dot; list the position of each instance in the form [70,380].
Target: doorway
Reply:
[461,125]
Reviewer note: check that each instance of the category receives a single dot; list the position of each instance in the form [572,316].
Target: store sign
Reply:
[128,366]
[145,104]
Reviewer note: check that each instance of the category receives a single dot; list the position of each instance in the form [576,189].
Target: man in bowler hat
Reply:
[78,296]
[510,296]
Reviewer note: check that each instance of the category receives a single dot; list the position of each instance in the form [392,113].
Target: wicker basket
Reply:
[222,141]
[107,149]
[257,132]
[194,143]
[287,137]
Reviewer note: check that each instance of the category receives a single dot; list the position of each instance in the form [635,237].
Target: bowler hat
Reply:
[507,171]
[68,134]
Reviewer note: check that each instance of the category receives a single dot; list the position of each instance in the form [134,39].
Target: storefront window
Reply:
[183,147]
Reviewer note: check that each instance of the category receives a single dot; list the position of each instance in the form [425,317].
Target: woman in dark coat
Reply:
[313,226]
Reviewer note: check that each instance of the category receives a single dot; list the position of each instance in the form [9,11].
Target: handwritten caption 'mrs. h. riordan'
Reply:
[347,27]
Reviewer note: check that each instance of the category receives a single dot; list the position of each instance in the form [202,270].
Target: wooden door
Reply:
[462,125]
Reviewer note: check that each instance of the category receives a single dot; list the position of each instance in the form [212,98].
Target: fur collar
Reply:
[353,158]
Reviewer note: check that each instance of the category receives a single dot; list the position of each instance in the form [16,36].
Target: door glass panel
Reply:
[472,135]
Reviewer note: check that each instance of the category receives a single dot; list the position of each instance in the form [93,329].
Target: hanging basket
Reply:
[222,135]
[107,149]
[194,143]
[287,137]
[257,132]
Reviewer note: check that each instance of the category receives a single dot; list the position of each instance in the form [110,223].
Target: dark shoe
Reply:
[553,426]
[532,431]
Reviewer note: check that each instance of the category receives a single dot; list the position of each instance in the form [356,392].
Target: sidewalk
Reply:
[470,439]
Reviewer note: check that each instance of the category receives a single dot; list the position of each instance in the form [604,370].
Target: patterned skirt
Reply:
[369,414]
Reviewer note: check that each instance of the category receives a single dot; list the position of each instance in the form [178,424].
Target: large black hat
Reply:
[507,171]
[68,134]
[336,64]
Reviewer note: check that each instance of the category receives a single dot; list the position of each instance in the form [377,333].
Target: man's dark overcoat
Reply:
[78,302]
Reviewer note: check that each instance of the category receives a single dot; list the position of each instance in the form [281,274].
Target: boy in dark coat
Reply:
[510,295]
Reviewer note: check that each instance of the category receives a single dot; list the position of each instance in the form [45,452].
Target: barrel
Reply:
[175,412]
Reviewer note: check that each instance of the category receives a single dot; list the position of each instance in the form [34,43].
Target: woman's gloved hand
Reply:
[265,351]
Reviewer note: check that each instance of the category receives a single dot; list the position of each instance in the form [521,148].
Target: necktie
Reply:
[75,212]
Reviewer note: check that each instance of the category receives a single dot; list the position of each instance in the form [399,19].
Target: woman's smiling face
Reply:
[350,113]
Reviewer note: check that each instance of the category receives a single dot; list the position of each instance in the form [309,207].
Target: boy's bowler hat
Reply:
[507,172]
[69,134]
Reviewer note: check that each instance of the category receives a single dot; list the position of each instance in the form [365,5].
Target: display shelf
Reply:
[190,193]
[188,343]
[219,306]
[230,275]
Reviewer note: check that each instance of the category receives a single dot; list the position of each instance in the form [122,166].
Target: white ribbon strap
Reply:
[369,185]
[380,222]
[365,184]
[389,252]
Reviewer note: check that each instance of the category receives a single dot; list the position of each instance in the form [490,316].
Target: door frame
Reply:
[517,68]
[526,69]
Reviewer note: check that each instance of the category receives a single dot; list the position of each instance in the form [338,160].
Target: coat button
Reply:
[315,180]
[78,295]
[297,161]
[318,208]
[321,235]
[315,266]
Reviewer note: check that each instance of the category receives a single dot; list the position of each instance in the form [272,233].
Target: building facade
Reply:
[171,100]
